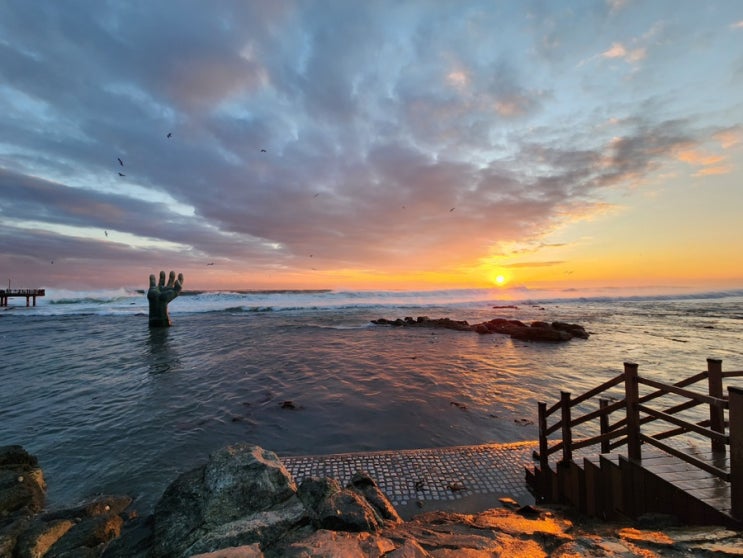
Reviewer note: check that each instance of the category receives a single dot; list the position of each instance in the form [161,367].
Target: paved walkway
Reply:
[467,479]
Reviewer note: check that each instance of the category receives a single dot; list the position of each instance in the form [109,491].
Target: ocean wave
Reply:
[133,302]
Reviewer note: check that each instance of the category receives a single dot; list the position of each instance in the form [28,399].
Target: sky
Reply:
[571,146]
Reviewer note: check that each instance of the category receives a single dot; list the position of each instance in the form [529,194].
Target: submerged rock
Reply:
[425,321]
[536,331]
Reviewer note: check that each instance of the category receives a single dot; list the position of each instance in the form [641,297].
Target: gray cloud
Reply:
[395,135]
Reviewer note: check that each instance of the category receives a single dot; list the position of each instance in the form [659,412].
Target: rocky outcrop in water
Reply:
[536,331]
[425,321]
[26,531]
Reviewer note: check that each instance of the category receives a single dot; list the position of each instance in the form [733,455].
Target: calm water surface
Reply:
[110,406]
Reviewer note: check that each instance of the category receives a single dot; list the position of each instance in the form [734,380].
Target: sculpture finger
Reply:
[171,279]
[152,280]
[162,279]
[179,283]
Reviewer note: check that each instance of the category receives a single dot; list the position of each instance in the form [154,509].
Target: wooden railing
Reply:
[637,414]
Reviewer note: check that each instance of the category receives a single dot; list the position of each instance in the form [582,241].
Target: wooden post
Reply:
[543,447]
[567,435]
[631,397]
[545,481]
[604,424]
[716,414]
[735,396]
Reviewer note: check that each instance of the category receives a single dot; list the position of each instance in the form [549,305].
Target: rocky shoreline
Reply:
[243,503]
[556,331]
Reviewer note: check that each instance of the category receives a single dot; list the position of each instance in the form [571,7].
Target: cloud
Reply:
[616,5]
[618,50]
[396,136]
[532,264]
[695,157]
[730,137]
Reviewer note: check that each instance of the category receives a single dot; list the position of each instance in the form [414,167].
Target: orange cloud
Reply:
[618,50]
[694,157]
[729,138]
[708,171]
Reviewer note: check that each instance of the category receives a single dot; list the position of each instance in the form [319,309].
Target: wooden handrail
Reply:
[589,394]
[685,392]
[585,442]
[598,389]
[598,412]
[684,424]
[627,430]
[698,463]
[679,430]
[681,383]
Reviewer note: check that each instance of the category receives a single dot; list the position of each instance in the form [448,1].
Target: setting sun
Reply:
[499,280]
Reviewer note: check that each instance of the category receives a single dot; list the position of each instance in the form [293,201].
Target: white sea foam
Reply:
[129,301]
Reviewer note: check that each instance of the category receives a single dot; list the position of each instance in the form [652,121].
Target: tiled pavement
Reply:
[467,479]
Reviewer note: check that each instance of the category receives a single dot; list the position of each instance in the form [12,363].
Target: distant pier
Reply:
[30,295]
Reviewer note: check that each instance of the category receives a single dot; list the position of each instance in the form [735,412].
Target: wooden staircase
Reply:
[698,487]
[611,486]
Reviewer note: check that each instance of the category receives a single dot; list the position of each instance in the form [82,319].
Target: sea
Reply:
[110,406]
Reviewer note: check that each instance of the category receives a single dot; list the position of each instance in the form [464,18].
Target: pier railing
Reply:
[29,294]
[723,428]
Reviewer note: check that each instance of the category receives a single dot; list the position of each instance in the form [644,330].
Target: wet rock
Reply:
[41,536]
[536,331]
[337,544]
[78,532]
[369,489]
[360,507]
[245,551]
[264,527]
[240,496]
[573,329]
[425,321]
[540,333]
[22,486]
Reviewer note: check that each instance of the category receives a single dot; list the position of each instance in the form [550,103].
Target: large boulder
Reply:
[242,495]
[367,487]
[337,509]
[359,507]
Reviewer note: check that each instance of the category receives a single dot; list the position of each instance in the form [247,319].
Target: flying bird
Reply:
[121,174]
[263,150]
[169,134]
[452,209]
[120,161]
[316,195]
